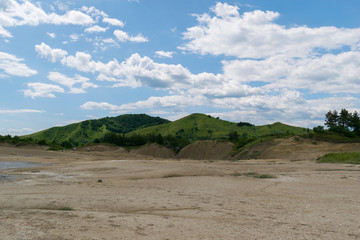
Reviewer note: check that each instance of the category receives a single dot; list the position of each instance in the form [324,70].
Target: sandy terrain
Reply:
[111,195]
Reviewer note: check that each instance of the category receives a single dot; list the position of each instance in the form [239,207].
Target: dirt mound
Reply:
[296,148]
[154,150]
[206,150]
[31,146]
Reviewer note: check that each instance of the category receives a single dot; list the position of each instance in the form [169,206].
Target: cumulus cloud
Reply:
[124,37]
[135,71]
[95,29]
[94,12]
[328,73]
[298,113]
[42,90]
[51,54]
[164,54]
[262,84]
[172,102]
[100,105]
[13,65]
[256,35]
[15,13]
[113,22]
[76,84]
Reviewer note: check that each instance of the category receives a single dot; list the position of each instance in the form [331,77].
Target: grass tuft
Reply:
[172,175]
[65,209]
[265,176]
[257,175]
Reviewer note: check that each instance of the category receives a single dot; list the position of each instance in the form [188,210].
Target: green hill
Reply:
[202,127]
[89,130]
[185,130]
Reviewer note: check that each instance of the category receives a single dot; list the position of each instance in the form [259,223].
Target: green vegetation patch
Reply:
[65,209]
[257,175]
[346,158]
[264,176]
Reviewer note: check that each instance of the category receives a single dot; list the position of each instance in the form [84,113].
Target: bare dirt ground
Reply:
[114,195]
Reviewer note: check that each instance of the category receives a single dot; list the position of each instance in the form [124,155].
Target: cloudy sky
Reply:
[257,61]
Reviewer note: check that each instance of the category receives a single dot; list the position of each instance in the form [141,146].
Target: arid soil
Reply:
[117,194]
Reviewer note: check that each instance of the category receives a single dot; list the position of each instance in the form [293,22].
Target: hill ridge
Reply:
[89,130]
[193,127]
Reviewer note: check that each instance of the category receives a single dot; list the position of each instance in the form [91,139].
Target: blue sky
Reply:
[257,61]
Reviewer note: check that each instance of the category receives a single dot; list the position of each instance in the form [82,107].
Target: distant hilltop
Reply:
[140,129]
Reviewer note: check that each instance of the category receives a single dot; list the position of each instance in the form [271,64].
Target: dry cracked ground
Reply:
[118,196]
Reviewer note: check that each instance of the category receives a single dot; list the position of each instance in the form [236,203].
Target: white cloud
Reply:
[164,54]
[61,5]
[328,73]
[114,22]
[4,32]
[22,131]
[95,29]
[101,106]
[19,111]
[94,12]
[51,54]
[52,35]
[276,100]
[255,35]
[75,37]
[22,13]
[124,37]
[304,113]
[81,61]
[281,101]
[174,102]
[12,65]
[71,82]
[71,17]
[135,71]
[42,90]
[104,43]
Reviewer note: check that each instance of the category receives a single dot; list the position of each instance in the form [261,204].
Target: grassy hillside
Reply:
[188,129]
[87,131]
[200,127]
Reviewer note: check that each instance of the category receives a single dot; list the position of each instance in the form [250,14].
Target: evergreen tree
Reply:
[331,120]
[344,119]
[355,123]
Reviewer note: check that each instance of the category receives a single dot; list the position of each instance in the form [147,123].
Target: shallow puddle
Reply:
[13,165]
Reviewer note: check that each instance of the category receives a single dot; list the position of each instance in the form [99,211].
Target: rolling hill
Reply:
[204,127]
[191,128]
[89,130]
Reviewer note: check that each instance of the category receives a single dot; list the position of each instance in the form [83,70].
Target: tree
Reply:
[344,119]
[355,123]
[319,129]
[233,136]
[241,124]
[331,120]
